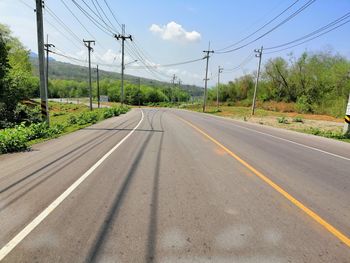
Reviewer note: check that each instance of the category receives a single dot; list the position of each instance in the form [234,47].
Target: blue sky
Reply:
[167,32]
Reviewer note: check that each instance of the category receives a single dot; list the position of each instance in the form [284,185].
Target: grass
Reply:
[282,116]
[64,118]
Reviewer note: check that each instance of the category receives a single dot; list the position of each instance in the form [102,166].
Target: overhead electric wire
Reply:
[333,23]
[175,64]
[64,26]
[72,13]
[260,28]
[276,51]
[27,5]
[245,61]
[110,10]
[63,34]
[103,12]
[111,29]
[95,22]
[272,29]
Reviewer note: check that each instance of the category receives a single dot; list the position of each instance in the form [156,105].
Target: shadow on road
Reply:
[118,201]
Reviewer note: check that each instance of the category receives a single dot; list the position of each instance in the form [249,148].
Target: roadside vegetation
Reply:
[316,124]
[65,118]
[314,82]
[306,93]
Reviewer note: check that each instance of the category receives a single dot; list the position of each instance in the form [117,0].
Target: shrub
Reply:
[303,105]
[298,119]
[12,140]
[282,120]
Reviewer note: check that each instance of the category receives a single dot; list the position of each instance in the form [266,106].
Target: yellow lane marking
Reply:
[279,189]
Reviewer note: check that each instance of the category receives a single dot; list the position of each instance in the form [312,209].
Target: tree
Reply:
[17,82]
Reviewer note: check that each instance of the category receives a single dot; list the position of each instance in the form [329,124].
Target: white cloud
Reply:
[174,31]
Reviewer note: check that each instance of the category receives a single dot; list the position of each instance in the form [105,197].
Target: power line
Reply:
[103,12]
[272,29]
[98,17]
[93,20]
[64,26]
[63,34]
[32,8]
[260,28]
[317,36]
[333,23]
[245,61]
[110,10]
[175,64]
[67,7]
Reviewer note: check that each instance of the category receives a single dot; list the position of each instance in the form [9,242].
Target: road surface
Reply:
[166,185]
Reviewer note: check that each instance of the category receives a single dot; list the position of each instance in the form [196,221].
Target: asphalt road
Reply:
[165,185]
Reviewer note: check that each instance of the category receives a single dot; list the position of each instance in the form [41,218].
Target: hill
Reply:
[68,71]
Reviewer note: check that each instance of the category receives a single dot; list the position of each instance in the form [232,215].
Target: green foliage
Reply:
[17,138]
[303,104]
[298,119]
[316,82]
[328,134]
[282,120]
[16,80]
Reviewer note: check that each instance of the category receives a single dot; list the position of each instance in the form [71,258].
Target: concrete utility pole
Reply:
[220,69]
[98,87]
[346,129]
[47,49]
[123,38]
[179,84]
[139,92]
[173,87]
[258,55]
[88,45]
[206,77]
[40,34]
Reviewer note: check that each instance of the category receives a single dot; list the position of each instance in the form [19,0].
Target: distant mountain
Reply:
[63,70]
[33,55]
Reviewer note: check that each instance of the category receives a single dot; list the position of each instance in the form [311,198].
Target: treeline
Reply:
[16,80]
[19,82]
[134,94]
[315,82]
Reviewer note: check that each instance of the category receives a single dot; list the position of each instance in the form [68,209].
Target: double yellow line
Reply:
[308,211]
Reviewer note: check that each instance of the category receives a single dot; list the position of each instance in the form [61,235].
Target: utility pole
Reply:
[40,35]
[98,87]
[220,69]
[258,55]
[206,76]
[88,45]
[47,49]
[346,129]
[139,92]
[123,38]
[179,84]
[173,88]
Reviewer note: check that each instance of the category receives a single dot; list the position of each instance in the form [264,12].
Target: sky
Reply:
[169,32]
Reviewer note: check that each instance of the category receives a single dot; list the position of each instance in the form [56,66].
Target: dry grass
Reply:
[308,123]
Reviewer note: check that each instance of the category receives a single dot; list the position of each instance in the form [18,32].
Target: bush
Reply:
[87,117]
[303,105]
[298,119]
[17,138]
[282,120]
[12,140]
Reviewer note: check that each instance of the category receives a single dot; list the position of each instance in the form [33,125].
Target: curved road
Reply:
[165,185]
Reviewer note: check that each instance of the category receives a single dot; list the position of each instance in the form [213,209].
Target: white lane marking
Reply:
[33,224]
[286,140]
